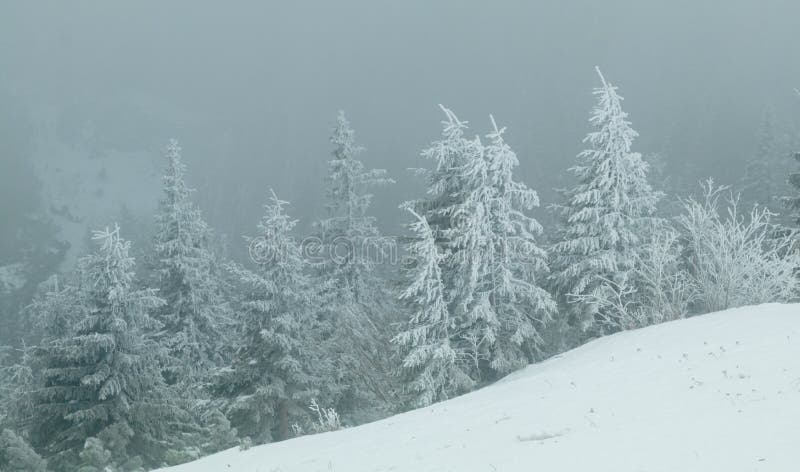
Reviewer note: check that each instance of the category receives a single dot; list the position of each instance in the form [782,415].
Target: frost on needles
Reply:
[604,215]
[475,252]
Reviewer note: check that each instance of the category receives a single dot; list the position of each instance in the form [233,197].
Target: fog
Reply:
[251,90]
[143,325]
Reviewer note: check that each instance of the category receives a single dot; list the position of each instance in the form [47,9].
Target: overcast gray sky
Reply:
[251,89]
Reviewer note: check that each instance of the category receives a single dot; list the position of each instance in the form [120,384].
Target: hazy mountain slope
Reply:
[719,392]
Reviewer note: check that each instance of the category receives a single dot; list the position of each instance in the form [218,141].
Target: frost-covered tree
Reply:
[494,260]
[216,432]
[764,180]
[348,231]
[736,259]
[5,390]
[16,455]
[94,457]
[515,262]
[658,289]
[101,379]
[18,378]
[359,304]
[195,314]
[432,365]
[447,186]
[278,367]
[491,260]
[604,217]
[458,170]
[664,290]
[792,202]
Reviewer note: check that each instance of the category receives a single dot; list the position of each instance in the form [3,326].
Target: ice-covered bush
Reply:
[735,258]
[327,419]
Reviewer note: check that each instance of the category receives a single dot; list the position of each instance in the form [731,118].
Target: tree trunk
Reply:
[283,420]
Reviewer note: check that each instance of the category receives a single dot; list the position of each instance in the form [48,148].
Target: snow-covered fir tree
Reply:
[278,366]
[515,263]
[432,367]
[792,201]
[16,455]
[348,231]
[195,314]
[457,164]
[491,260]
[494,260]
[764,181]
[446,185]
[603,217]
[359,303]
[101,378]
[19,376]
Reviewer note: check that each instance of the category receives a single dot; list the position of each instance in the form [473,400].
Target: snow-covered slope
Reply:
[719,392]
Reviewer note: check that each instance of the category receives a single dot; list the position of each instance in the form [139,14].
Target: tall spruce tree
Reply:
[494,260]
[515,263]
[279,365]
[195,314]
[360,307]
[764,179]
[432,366]
[447,187]
[491,260]
[348,228]
[100,377]
[457,164]
[604,216]
[792,202]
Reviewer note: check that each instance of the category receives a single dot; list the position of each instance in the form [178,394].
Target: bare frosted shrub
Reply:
[327,418]
[736,259]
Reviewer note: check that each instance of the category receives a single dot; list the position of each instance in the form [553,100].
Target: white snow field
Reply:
[719,392]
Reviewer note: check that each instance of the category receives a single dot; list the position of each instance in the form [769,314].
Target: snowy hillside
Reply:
[718,392]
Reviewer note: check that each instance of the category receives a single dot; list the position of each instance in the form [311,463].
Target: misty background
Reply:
[202,349]
[90,92]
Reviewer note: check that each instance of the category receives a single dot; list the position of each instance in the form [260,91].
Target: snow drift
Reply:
[719,392]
